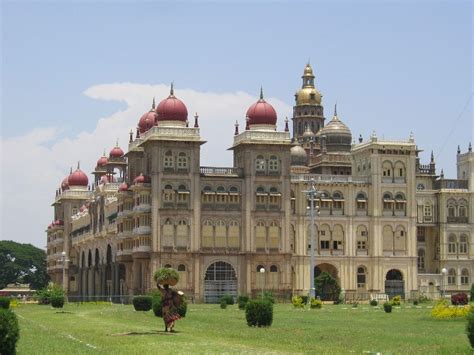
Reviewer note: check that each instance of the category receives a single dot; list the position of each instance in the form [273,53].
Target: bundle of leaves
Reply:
[315,303]
[4,302]
[374,303]
[166,275]
[259,313]
[387,307]
[297,302]
[142,303]
[228,299]
[9,331]
[242,301]
[396,300]
[327,288]
[459,299]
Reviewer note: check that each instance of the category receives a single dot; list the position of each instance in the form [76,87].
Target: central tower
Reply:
[307,113]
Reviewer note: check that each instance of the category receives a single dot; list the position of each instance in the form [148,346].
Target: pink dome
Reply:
[102,161]
[78,178]
[172,109]
[142,179]
[116,152]
[261,112]
[123,187]
[147,121]
[65,183]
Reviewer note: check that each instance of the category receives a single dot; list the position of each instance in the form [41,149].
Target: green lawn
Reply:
[208,329]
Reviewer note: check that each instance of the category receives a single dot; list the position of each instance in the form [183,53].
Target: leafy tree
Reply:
[327,287]
[22,263]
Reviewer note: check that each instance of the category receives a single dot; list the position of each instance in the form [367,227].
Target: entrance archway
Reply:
[220,280]
[394,284]
[330,269]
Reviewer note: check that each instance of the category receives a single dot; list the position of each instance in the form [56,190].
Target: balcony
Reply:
[451,184]
[221,172]
[142,230]
[329,178]
[142,245]
[124,214]
[457,220]
[144,208]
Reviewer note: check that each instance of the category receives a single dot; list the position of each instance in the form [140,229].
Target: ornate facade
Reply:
[385,222]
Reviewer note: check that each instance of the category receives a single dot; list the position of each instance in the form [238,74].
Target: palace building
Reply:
[385,223]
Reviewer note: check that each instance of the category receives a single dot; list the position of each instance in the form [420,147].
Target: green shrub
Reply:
[183,307]
[228,299]
[297,301]
[9,331]
[374,303]
[327,288]
[442,310]
[57,301]
[259,313]
[242,301]
[423,299]
[44,295]
[470,327]
[269,297]
[166,275]
[415,302]
[4,302]
[387,307]
[304,299]
[355,304]
[223,303]
[396,300]
[142,303]
[315,303]
[156,304]
[472,292]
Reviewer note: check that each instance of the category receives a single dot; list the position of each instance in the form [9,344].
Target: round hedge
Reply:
[4,302]
[142,303]
[166,276]
[259,313]
[57,301]
[9,331]
[387,306]
[470,327]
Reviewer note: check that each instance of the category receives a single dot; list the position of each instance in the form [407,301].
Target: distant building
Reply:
[386,222]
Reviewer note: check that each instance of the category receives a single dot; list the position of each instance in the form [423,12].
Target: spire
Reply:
[360,138]
[78,164]
[470,147]
[261,93]
[432,157]
[196,123]
[172,90]
[236,132]
[287,129]
[153,104]
[137,135]
[335,109]
[130,140]
[104,153]
[442,174]
[70,171]
[459,150]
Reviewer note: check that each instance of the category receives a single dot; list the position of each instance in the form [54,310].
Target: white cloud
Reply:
[39,160]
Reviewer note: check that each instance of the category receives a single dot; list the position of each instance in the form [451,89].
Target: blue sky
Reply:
[394,67]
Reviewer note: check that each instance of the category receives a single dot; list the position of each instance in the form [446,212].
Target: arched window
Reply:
[451,208]
[361,201]
[361,277]
[386,170]
[273,165]
[462,209]
[260,267]
[293,201]
[387,201]
[207,188]
[338,238]
[387,238]
[463,247]
[464,277]
[260,165]
[421,259]
[338,200]
[207,234]
[273,268]
[452,244]
[182,233]
[221,231]
[181,267]
[260,235]
[234,235]
[168,162]
[274,235]
[168,266]
[325,237]
[399,171]
[362,238]
[452,277]
[182,161]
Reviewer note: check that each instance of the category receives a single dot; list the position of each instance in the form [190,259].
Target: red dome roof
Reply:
[123,187]
[147,121]
[102,161]
[65,183]
[78,178]
[172,109]
[116,152]
[142,179]
[261,112]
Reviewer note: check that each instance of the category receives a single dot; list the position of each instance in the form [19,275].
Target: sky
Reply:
[77,76]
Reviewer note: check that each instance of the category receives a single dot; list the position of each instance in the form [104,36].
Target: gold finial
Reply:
[153,104]
[261,93]
[78,164]
[172,89]
[335,109]
[116,143]
[70,171]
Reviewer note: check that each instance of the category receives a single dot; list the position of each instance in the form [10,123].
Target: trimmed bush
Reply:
[223,303]
[304,299]
[228,299]
[396,300]
[142,303]
[415,302]
[459,299]
[387,307]
[297,302]
[442,310]
[4,302]
[57,301]
[315,303]
[242,301]
[9,331]
[269,297]
[156,304]
[259,313]
[327,288]
[183,307]
[472,292]
[470,327]
[374,303]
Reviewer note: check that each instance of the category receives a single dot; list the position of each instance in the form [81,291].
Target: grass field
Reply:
[117,329]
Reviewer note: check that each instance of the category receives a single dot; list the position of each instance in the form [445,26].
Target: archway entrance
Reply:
[327,282]
[220,280]
[330,269]
[394,285]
